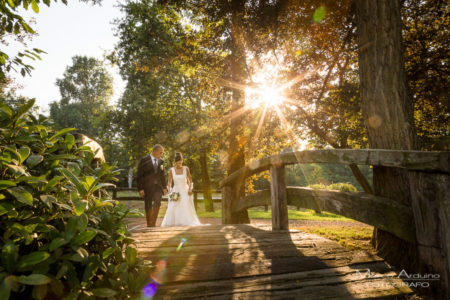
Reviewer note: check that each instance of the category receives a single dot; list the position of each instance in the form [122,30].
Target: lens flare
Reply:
[319,14]
[183,240]
[150,290]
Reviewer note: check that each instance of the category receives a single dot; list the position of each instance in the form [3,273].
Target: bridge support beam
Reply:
[278,199]
[430,201]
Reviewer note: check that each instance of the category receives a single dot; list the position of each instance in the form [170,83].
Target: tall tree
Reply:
[426,40]
[86,90]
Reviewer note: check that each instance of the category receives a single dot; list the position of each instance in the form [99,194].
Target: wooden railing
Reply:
[377,211]
[136,197]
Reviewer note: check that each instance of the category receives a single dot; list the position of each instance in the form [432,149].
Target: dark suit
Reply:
[152,181]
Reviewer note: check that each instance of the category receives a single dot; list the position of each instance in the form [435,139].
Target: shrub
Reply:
[342,186]
[61,236]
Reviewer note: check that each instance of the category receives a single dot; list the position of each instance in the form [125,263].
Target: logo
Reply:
[403,279]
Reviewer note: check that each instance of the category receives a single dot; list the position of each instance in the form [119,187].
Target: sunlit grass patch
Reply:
[354,238]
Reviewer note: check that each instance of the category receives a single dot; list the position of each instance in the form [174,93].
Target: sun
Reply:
[264,90]
[263,95]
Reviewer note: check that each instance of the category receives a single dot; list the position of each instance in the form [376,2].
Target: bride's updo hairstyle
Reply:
[178,157]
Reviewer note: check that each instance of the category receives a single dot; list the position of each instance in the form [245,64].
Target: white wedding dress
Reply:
[181,212]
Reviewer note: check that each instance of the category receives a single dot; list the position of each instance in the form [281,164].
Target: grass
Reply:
[254,213]
[302,214]
[354,238]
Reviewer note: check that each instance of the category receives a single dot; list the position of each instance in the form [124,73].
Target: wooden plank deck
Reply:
[248,262]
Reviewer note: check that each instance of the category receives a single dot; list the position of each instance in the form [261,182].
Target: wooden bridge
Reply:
[242,261]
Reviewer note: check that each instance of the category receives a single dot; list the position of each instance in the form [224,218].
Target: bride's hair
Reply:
[178,157]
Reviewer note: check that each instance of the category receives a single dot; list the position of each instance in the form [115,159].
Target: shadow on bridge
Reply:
[244,261]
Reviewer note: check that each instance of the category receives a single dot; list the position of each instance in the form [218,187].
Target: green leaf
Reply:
[5,208]
[74,168]
[79,204]
[75,181]
[24,108]
[71,228]
[61,156]
[9,256]
[104,292]
[21,195]
[24,152]
[102,185]
[82,222]
[33,259]
[52,182]
[90,180]
[70,141]
[5,157]
[56,243]
[130,255]
[91,269]
[48,200]
[34,6]
[11,3]
[34,279]
[6,184]
[107,253]
[61,132]
[34,160]
[32,179]
[83,238]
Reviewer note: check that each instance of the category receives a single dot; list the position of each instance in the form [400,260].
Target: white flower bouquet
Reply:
[174,196]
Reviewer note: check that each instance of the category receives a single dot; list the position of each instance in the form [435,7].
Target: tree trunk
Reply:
[387,108]
[237,138]
[207,196]
[388,113]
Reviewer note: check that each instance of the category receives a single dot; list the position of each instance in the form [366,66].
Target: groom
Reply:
[151,182]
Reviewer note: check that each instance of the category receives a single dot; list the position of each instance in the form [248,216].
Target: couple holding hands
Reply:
[151,182]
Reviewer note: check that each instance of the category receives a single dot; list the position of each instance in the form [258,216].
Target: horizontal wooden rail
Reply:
[164,198]
[376,211]
[438,161]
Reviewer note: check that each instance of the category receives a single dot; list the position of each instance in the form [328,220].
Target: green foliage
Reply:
[426,60]
[342,186]
[61,234]
[86,89]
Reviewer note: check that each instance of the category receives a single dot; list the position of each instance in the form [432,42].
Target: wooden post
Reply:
[278,198]
[227,197]
[431,208]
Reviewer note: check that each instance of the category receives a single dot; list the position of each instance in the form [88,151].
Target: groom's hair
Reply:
[157,146]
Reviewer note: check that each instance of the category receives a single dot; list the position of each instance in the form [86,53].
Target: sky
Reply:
[63,32]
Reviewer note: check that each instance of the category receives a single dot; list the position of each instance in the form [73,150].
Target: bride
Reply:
[180,212]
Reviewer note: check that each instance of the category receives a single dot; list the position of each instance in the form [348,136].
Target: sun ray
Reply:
[231,84]
[258,129]
[236,113]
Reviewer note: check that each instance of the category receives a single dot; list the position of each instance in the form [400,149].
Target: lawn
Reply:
[254,213]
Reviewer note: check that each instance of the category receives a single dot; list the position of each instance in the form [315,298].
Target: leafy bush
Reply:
[342,186]
[61,236]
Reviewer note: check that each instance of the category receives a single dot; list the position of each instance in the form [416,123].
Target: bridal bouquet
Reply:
[174,196]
